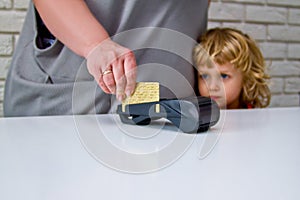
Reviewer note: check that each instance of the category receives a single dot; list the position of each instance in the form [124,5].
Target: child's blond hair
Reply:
[222,45]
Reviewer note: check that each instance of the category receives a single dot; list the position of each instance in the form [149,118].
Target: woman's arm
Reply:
[72,23]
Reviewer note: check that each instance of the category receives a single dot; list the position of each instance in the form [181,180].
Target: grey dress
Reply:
[53,80]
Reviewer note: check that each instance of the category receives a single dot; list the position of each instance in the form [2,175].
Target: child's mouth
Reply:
[214,97]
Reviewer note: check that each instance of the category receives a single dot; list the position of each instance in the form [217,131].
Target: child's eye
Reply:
[204,76]
[224,76]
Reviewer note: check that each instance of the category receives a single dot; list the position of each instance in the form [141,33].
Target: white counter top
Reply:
[249,154]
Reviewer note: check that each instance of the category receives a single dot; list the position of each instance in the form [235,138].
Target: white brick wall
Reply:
[287,3]
[275,24]
[11,20]
[4,65]
[21,4]
[285,69]
[5,4]
[265,14]
[6,42]
[284,33]
[294,51]
[277,85]
[294,16]
[228,11]
[273,50]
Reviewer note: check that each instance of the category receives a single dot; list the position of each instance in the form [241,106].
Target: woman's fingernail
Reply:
[119,97]
[128,93]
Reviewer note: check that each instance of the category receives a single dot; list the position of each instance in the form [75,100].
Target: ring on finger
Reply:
[108,71]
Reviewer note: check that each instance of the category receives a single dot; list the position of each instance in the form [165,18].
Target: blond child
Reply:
[231,69]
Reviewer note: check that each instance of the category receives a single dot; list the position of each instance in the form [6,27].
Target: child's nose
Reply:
[214,85]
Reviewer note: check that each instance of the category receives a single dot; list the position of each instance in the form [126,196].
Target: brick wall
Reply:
[275,24]
[12,13]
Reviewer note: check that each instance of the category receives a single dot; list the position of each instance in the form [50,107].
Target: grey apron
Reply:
[55,81]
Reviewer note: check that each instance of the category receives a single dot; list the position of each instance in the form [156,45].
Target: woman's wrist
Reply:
[89,47]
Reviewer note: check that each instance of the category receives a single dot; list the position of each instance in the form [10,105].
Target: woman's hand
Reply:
[113,67]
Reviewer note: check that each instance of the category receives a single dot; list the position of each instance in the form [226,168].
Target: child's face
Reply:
[222,83]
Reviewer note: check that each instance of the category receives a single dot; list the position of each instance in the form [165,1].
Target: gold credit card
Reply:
[145,92]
